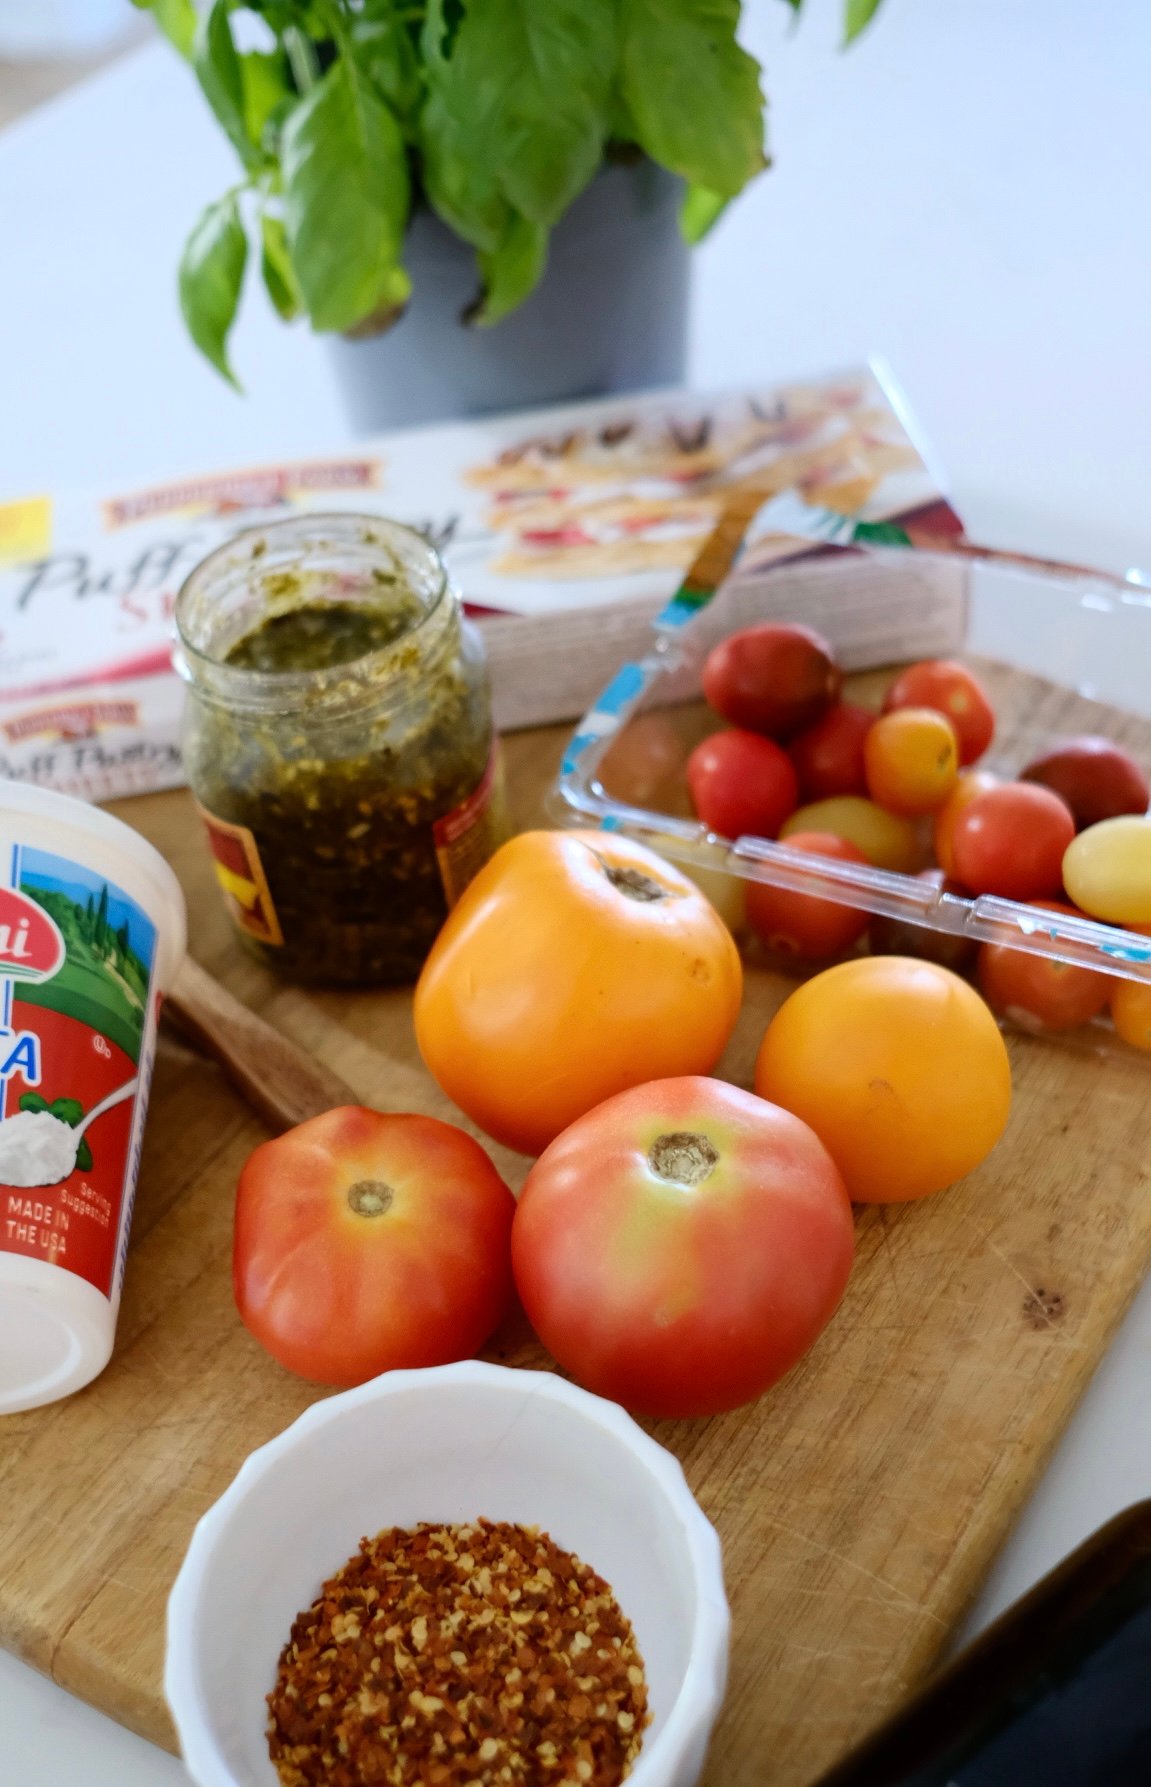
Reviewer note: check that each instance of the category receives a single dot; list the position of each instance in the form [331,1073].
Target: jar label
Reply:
[77,1037]
[473,831]
[240,873]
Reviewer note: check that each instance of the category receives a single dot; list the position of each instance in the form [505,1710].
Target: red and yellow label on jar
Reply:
[473,831]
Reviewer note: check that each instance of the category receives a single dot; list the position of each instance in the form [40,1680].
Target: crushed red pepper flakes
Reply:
[459,1656]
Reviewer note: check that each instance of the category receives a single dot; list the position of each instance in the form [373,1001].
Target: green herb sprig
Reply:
[496,113]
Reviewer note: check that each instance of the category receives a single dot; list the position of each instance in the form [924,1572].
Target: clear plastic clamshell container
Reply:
[1062,651]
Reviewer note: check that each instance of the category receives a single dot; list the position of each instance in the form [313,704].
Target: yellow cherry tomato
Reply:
[887,841]
[1107,870]
[1131,1012]
[911,757]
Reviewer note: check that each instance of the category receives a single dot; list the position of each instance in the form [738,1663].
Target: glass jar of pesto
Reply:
[338,740]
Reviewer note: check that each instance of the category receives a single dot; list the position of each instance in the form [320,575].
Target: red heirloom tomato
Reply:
[742,784]
[1010,841]
[1037,992]
[773,678]
[800,924]
[366,1242]
[953,691]
[1096,777]
[681,1246]
[828,757]
[574,965]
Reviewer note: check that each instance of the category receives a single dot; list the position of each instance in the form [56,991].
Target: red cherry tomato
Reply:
[742,784]
[1097,778]
[366,1242]
[912,761]
[1010,841]
[1037,992]
[774,679]
[680,1247]
[828,757]
[970,783]
[953,691]
[805,925]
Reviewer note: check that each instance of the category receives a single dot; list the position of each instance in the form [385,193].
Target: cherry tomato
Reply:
[912,761]
[368,1243]
[1131,1011]
[804,925]
[970,783]
[952,690]
[828,757]
[574,965]
[643,759]
[1038,992]
[681,1246]
[742,784]
[775,679]
[899,937]
[1097,778]
[1107,871]
[1010,841]
[899,1068]
[886,841]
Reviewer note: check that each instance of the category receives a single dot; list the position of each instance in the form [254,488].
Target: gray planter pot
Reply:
[610,314]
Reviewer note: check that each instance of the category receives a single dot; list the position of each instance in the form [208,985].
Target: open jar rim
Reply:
[275,549]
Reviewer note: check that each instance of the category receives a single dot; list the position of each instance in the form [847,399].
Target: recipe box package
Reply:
[565,531]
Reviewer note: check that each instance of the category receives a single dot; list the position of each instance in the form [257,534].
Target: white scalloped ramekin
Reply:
[453,1444]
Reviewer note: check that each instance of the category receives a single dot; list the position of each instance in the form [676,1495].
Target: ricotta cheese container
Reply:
[92,931]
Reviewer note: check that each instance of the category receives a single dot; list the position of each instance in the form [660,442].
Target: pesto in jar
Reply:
[339,744]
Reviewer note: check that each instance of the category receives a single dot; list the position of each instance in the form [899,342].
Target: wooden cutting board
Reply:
[859,1504]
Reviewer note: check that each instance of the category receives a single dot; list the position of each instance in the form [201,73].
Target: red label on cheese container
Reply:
[77,1033]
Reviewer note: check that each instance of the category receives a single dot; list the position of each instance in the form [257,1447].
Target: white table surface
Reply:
[966,192]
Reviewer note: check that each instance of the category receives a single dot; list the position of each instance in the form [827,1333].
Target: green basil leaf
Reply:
[346,198]
[264,86]
[276,267]
[218,70]
[699,211]
[211,274]
[512,271]
[529,83]
[32,1101]
[69,1110]
[176,19]
[459,188]
[693,92]
[857,14]
[84,1155]
[386,51]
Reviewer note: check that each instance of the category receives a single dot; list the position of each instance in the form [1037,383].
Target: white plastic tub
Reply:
[92,931]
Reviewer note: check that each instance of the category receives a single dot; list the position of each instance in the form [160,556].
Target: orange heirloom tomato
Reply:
[899,1068]
[367,1242]
[911,757]
[575,965]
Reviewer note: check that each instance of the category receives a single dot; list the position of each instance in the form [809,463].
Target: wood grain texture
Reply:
[859,1504]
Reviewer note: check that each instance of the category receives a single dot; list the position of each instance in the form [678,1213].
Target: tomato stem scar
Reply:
[685,1157]
[370,1197]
